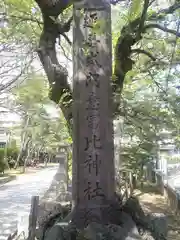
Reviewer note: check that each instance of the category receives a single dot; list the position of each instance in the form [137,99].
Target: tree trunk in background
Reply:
[23,142]
[93,182]
[47,159]
[26,160]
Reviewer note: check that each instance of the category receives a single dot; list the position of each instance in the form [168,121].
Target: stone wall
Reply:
[173,198]
[160,182]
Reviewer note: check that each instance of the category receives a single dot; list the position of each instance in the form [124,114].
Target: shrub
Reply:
[3,164]
[12,154]
[11,163]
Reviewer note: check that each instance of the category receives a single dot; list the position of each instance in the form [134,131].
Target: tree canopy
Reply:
[146,58]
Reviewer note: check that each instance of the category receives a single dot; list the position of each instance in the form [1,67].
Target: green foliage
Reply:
[40,130]
[146,107]
[175,159]
[8,156]
[12,152]
[145,115]
[135,9]
[34,91]
[23,22]
[3,164]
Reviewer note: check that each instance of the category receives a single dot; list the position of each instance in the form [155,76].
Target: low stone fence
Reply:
[124,183]
[173,198]
[160,182]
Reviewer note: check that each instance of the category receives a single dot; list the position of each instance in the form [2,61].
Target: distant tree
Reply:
[38,129]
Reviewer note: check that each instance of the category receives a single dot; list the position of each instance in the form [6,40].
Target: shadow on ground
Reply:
[6,178]
[147,188]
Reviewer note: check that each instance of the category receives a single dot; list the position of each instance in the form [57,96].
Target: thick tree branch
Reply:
[144,52]
[123,63]
[6,86]
[24,18]
[143,16]
[130,35]
[165,29]
[66,38]
[114,2]
[56,73]
[151,2]
[162,13]
[53,7]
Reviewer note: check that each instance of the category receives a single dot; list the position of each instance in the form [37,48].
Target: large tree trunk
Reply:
[56,73]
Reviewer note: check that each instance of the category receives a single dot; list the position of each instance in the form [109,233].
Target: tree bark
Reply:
[26,157]
[57,74]
[23,142]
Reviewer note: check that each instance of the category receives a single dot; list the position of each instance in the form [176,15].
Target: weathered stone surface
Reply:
[152,226]
[134,209]
[55,233]
[47,210]
[61,231]
[159,225]
[127,222]
[93,155]
[58,188]
[95,231]
[64,197]
[49,214]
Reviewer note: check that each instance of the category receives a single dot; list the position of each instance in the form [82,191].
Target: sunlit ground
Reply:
[15,198]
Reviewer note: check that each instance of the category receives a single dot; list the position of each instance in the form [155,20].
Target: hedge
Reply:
[12,154]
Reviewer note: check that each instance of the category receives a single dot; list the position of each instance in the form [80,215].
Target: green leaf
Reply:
[135,9]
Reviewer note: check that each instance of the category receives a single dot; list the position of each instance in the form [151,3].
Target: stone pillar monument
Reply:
[63,168]
[93,184]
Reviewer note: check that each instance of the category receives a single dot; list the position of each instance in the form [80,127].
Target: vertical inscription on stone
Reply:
[93,146]
[93,169]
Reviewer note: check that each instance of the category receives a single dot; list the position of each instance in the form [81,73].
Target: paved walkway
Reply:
[15,198]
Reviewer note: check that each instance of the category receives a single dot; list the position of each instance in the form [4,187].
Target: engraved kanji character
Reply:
[93,77]
[96,163]
[95,143]
[89,19]
[97,191]
[91,193]
[93,164]
[93,120]
[91,41]
[88,162]
[87,191]
[91,60]
[92,102]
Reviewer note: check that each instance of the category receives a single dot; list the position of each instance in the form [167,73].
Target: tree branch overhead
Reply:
[56,73]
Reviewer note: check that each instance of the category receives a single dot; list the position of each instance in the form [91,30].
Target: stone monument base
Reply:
[121,222]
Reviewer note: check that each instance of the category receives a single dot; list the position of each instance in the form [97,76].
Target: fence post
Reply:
[33,217]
